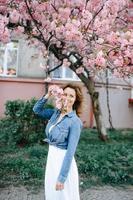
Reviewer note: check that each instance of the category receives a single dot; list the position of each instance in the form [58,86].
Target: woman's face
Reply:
[69,97]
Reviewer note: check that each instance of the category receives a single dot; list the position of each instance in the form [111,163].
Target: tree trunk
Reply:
[90,85]
[97,110]
[98,116]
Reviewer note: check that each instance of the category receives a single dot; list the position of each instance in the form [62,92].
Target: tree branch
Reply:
[94,17]
[53,69]
[54,8]
[35,22]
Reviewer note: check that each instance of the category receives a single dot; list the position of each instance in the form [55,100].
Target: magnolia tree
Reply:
[88,36]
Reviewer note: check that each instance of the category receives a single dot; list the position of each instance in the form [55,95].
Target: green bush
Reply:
[21,126]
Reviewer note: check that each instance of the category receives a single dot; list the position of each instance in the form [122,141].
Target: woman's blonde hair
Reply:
[77,106]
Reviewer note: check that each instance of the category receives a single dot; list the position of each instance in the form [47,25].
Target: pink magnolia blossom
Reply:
[100,60]
[80,70]
[112,38]
[119,61]
[66,63]
[5,35]
[116,73]
[131,41]
[128,53]
[14,16]
[3,1]
[99,31]
[86,17]
[18,31]
[64,12]
[100,41]
[124,43]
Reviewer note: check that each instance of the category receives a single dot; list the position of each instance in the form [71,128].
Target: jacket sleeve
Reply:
[39,109]
[73,140]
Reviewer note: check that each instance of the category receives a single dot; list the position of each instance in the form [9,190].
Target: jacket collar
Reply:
[70,114]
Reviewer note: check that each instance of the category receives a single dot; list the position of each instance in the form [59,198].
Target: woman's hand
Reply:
[49,94]
[59,186]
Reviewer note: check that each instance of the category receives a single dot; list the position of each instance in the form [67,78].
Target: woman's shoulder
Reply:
[76,119]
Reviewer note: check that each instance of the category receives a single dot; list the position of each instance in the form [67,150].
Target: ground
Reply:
[94,193]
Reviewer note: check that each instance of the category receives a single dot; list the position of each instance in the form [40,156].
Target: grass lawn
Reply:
[103,163]
[99,163]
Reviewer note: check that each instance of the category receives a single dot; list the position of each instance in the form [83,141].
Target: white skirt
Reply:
[53,166]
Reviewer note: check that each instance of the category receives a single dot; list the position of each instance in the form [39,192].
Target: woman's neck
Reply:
[63,111]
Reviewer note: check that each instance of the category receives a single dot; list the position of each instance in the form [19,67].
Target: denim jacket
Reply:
[65,134]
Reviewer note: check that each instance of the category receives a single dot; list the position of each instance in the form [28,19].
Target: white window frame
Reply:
[62,72]
[5,67]
[63,75]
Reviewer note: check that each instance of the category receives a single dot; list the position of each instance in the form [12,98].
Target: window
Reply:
[8,59]
[64,73]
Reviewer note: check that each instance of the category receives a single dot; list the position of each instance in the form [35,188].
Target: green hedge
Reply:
[21,126]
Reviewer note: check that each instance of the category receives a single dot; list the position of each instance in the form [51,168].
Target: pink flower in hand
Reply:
[57,92]
[58,103]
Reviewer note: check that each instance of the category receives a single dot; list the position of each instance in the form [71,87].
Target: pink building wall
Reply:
[25,89]
[18,89]
[121,111]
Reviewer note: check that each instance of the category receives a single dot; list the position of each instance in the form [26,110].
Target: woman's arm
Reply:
[39,108]
[73,140]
